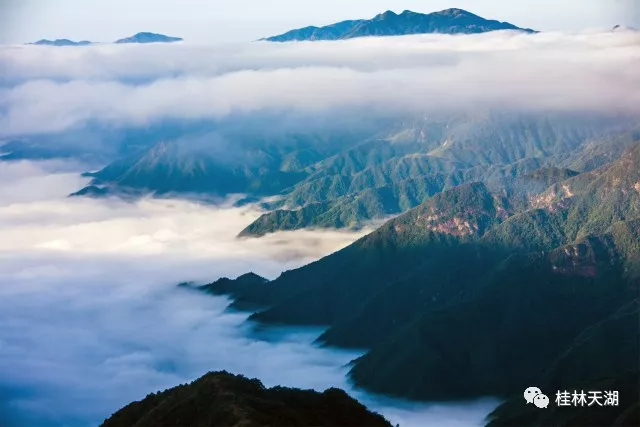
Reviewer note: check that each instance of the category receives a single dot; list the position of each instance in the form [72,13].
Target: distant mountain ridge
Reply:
[142,38]
[146,37]
[450,21]
[61,42]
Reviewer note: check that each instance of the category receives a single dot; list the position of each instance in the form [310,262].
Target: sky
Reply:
[209,21]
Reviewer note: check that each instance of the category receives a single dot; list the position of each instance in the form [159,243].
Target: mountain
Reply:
[479,292]
[149,38]
[176,167]
[222,399]
[218,161]
[357,210]
[236,287]
[450,21]
[61,42]
[137,38]
[395,172]
[352,173]
[92,191]
[606,355]
[526,312]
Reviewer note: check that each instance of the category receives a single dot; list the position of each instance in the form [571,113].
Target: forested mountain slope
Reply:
[478,291]
[220,399]
[350,173]
[389,176]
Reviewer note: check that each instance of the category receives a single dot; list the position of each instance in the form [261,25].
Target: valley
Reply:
[436,331]
[323,220]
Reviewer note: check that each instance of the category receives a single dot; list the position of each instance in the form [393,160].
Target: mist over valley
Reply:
[431,212]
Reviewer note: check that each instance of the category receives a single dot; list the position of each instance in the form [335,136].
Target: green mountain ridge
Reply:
[475,292]
[173,167]
[606,352]
[220,399]
[220,161]
[326,164]
[528,290]
[356,210]
[380,178]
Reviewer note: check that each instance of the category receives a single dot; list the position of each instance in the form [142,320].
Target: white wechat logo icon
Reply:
[541,401]
[534,395]
[531,393]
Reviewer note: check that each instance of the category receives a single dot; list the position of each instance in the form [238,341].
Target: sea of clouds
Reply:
[90,314]
[46,89]
[91,317]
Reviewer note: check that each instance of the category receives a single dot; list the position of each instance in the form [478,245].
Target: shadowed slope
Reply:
[220,399]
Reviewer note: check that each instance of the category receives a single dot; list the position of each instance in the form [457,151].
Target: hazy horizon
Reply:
[228,21]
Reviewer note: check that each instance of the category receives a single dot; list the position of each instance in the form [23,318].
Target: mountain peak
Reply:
[253,277]
[389,23]
[386,15]
[454,12]
[229,399]
[147,37]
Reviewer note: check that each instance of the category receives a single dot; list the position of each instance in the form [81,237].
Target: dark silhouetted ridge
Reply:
[220,399]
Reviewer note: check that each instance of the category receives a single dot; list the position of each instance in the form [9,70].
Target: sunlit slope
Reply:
[473,292]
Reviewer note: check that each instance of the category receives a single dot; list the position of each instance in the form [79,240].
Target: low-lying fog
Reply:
[91,317]
[90,314]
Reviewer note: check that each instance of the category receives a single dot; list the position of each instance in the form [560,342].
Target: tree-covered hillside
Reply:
[348,173]
[522,155]
[479,290]
[220,399]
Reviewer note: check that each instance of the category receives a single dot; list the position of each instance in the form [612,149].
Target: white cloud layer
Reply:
[91,317]
[35,215]
[51,89]
[89,310]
